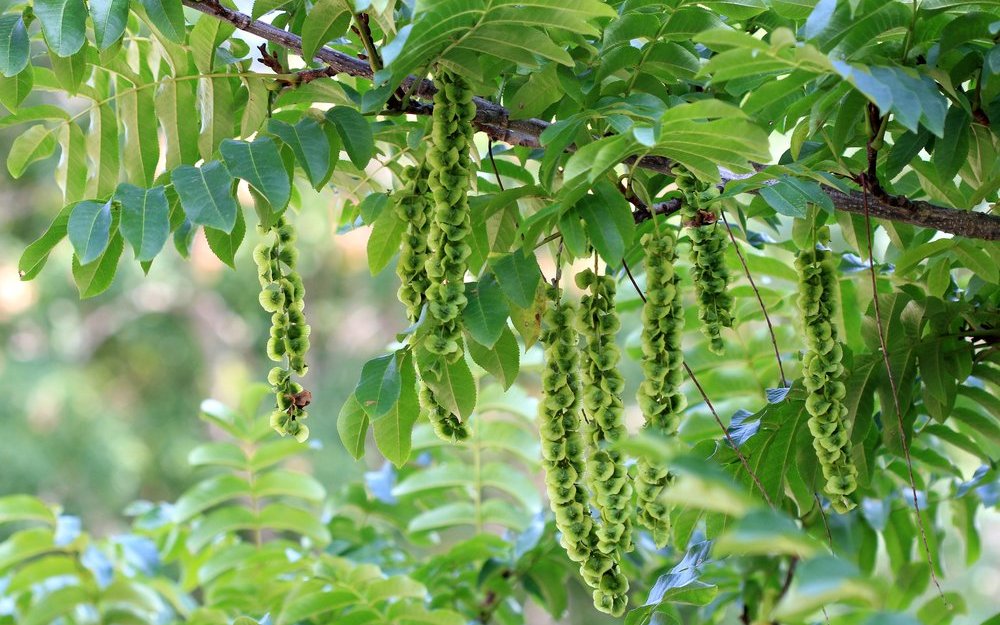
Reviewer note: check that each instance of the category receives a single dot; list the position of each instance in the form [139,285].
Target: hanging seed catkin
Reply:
[413,206]
[603,407]
[708,262]
[449,167]
[563,457]
[659,396]
[283,295]
[823,375]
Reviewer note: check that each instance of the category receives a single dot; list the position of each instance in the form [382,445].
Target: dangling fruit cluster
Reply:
[823,375]
[449,167]
[448,250]
[282,294]
[659,393]
[603,407]
[708,263]
[413,206]
[563,458]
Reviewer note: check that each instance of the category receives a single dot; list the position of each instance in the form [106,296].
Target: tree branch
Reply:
[495,121]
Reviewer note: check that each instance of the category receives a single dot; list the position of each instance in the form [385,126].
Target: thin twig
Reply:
[895,401]
[493,162]
[760,300]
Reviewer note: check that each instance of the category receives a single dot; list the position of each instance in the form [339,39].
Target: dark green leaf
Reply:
[393,430]
[13,45]
[486,313]
[951,150]
[206,194]
[502,360]
[109,17]
[327,20]
[518,275]
[379,386]
[64,24]
[355,132]
[309,144]
[259,163]
[89,230]
[453,384]
[224,244]
[168,17]
[145,219]
[94,278]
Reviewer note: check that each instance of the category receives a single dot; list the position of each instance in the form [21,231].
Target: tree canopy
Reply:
[699,302]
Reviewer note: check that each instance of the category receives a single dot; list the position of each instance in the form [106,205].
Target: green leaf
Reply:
[224,244]
[528,320]
[71,172]
[383,242]
[309,144]
[379,387]
[393,430]
[145,219]
[704,146]
[502,360]
[70,71]
[259,163]
[327,20]
[64,24]
[141,145]
[206,195]
[110,18]
[518,275]
[14,48]
[168,17]
[766,532]
[14,90]
[227,455]
[820,582]
[452,384]
[206,36]
[352,425]
[952,150]
[34,256]
[355,132]
[208,494]
[103,141]
[34,144]
[95,278]
[217,106]
[175,100]
[25,508]
[485,315]
[291,484]
[915,100]
[89,230]
[609,224]
[504,29]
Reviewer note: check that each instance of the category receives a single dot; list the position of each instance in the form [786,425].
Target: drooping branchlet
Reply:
[708,263]
[659,394]
[607,475]
[563,457]
[283,295]
[823,375]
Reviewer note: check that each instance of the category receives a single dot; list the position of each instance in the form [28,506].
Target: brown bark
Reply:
[495,121]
